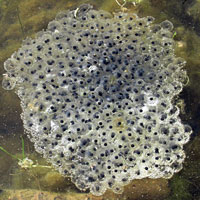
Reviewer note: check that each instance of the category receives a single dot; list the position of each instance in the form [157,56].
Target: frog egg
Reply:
[8,83]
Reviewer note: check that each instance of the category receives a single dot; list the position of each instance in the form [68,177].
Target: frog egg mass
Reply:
[97,94]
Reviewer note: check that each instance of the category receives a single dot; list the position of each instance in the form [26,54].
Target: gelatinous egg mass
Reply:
[97,94]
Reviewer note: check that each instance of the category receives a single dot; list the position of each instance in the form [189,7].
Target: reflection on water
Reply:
[22,18]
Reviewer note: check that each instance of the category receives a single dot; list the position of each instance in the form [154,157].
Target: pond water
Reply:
[37,180]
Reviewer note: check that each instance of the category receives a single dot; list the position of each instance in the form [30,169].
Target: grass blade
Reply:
[23,154]
[13,156]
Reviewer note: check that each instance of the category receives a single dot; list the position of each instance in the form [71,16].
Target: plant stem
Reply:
[23,154]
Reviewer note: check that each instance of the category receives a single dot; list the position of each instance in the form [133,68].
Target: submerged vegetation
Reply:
[24,162]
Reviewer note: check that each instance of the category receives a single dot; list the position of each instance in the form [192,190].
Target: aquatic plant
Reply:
[5,151]
[24,162]
[97,93]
